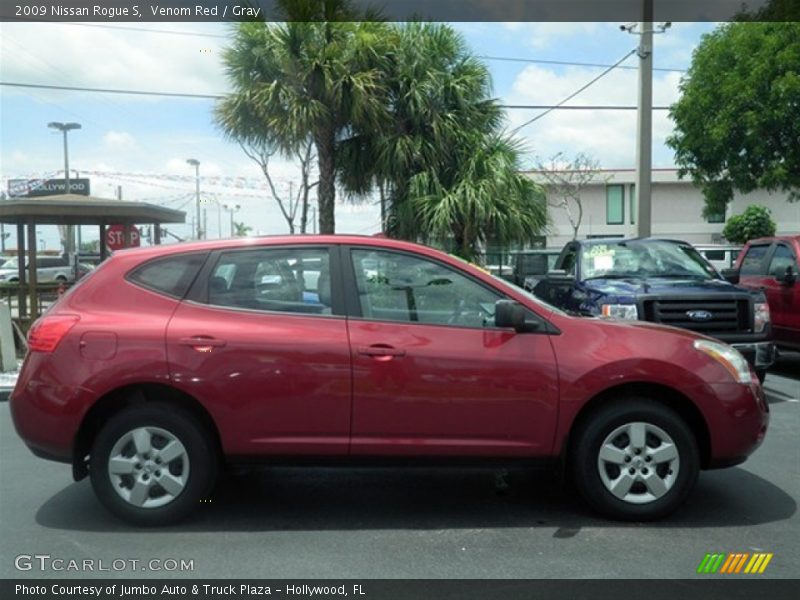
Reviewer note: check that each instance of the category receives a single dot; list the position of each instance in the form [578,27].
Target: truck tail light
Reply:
[47,332]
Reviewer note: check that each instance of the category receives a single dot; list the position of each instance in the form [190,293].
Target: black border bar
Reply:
[711,587]
[140,11]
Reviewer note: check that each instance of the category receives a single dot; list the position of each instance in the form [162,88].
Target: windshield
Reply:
[644,259]
[11,263]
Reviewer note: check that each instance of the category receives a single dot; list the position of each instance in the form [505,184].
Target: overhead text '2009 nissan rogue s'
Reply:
[167,363]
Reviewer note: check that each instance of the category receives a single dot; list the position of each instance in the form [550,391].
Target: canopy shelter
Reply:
[72,209]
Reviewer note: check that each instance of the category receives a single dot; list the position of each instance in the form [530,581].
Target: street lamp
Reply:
[231,208]
[66,128]
[196,164]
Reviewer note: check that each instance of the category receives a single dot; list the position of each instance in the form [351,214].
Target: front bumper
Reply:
[759,354]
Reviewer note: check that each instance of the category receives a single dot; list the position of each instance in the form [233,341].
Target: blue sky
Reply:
[142,143]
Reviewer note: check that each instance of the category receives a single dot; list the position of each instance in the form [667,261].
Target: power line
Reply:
[582,107]
[220,96]
[575,93]
[481,56]
[570,64]
[71,88]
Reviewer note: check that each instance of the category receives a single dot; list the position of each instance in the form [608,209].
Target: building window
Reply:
[615,204]
[632,210]
[718,217]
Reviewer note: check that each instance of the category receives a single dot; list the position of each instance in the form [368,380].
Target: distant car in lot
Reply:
[771,266]
[662,281]
[722,256]
[170,362]
[49,269]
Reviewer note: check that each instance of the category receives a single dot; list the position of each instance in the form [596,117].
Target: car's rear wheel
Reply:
[635,459]
[152,464]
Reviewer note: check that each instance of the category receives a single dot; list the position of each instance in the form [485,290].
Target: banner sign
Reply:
[33,188]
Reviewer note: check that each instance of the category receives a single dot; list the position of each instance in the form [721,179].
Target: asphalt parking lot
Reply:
[411,523]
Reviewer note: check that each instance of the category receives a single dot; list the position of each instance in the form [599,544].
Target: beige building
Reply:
[609,209]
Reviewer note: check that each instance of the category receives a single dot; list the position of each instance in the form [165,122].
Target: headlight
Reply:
[761,316]
[728,357]
[620,311]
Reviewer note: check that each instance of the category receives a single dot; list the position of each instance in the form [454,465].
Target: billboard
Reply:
[33,188]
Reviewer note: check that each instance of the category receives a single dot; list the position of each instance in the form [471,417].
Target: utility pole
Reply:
[644,125]
[644,118]
[196,164]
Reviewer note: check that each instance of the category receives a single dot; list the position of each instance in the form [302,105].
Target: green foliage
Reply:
[450,176]
[240,229]
[737,123]
[755,222]
[314,77]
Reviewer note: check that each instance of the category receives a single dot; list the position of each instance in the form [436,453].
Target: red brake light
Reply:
[47,332]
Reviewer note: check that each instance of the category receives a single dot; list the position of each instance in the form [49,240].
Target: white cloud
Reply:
[110,57]
[609,136]
[541,35]
[119,139]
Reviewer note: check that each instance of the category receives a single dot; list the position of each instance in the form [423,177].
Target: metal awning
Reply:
[72,209]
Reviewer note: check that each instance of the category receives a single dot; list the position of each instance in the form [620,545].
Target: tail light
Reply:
[47,332]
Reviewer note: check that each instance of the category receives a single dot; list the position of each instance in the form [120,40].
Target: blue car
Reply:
[662,281]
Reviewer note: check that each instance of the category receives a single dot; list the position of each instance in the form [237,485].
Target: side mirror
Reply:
[731,275]
[559,277]
[509,314]
[787,278]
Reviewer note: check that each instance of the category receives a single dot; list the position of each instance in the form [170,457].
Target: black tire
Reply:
[200,454]
[585,464]
[762,375]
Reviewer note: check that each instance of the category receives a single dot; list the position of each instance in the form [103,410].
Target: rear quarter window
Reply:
[171,275]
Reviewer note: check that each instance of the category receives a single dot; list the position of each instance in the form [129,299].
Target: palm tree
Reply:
[240,229]
[313,78]
[479,196]
[439,160]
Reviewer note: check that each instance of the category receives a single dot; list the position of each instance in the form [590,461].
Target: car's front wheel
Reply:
[152,464]
[635,459]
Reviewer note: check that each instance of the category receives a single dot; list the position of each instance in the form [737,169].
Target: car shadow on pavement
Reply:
[318,499]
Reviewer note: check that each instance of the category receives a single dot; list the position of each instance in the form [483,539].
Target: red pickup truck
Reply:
[771,265]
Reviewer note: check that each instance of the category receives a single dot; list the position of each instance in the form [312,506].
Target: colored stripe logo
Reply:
[734,562]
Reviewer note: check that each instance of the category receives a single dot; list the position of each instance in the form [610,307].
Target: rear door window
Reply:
[293,280]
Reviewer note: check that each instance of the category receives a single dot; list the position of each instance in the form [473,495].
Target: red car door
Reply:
[261,344]
[783,298]
[431,373]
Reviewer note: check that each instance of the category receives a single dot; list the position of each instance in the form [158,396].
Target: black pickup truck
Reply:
[663,281]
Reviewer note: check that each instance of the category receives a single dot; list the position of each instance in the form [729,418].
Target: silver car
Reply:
[49,269]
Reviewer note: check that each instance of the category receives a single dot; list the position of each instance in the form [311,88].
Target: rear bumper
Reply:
[759,354]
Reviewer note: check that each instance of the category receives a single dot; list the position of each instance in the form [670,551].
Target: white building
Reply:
[677,212]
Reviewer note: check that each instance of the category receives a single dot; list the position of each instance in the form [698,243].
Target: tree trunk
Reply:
[326,193]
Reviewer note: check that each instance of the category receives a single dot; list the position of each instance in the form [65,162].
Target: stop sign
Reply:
[115,237]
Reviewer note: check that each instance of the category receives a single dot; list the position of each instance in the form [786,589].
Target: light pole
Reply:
[65,128]
[196,164]
[231,208]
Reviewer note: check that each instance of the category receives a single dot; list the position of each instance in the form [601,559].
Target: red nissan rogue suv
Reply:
[167,363]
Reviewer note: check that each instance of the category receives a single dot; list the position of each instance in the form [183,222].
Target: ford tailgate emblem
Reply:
[699,315]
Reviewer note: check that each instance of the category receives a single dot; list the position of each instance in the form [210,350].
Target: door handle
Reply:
[381,352]
[202,343]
